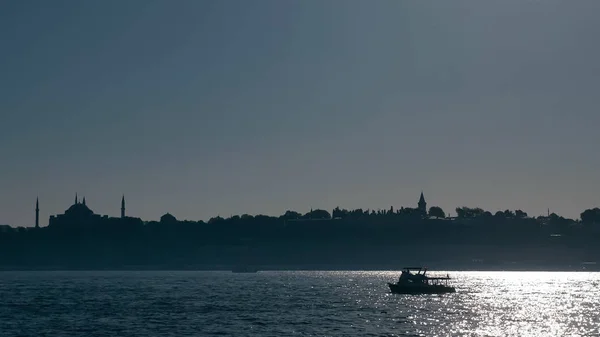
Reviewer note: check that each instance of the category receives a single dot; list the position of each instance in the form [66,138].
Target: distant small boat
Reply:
[244,269]
[419,283]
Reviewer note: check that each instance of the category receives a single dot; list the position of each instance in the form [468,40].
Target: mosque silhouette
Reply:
[79,214]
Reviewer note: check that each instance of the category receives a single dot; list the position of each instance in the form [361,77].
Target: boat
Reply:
[419,283]
[244,269]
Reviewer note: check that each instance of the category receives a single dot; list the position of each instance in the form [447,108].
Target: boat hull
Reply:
[420,289]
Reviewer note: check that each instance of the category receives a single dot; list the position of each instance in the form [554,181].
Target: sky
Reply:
[206,108]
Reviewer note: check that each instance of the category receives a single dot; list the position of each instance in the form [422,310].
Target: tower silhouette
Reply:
[123,207]
[37,213]
[422,206]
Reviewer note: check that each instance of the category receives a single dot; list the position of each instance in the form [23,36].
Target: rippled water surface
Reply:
[294,304]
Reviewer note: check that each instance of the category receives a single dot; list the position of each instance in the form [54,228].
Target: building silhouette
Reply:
[80,215]
[168,218]
[422,205]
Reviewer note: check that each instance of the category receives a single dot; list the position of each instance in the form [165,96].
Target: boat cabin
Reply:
[419,277]
[418,269]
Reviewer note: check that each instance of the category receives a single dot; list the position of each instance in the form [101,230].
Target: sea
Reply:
[294,303]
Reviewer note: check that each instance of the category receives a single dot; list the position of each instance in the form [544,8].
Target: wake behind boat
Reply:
[419,283]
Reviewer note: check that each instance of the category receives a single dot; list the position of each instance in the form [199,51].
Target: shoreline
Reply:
[297,269]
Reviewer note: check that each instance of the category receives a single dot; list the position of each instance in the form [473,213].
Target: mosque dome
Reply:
[79,209]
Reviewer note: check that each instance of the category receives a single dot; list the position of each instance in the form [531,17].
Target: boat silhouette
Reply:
[244,269]
[419,283]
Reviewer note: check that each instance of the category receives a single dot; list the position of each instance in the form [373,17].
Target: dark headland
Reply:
[359,239]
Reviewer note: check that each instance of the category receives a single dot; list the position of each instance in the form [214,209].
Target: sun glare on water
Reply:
[528,303]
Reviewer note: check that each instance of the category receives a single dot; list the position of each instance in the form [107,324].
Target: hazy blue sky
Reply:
[205,108]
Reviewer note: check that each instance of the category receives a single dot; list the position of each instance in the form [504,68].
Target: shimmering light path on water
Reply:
[294,304]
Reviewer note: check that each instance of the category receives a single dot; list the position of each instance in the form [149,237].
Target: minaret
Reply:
[83,201]
[76,202]
[123,207]
[37,213]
